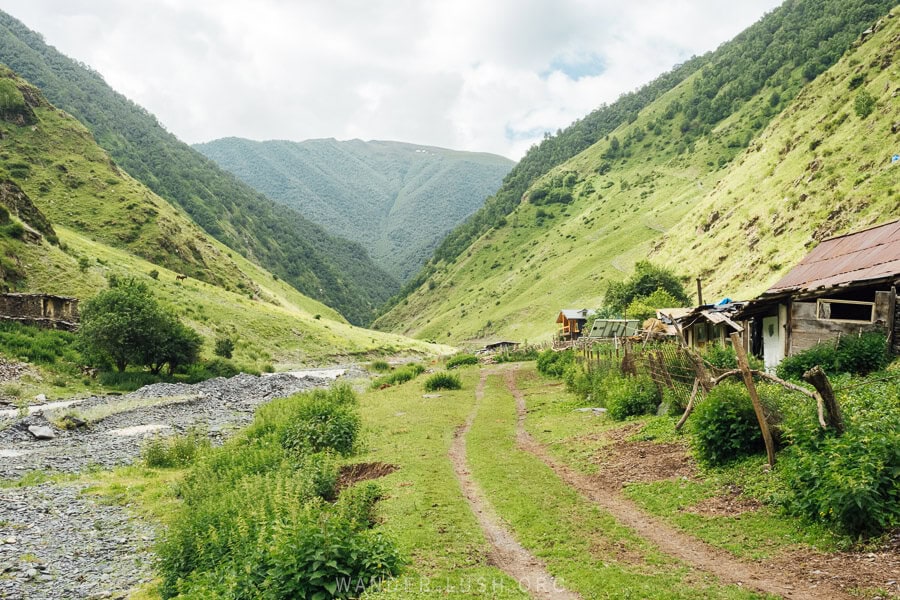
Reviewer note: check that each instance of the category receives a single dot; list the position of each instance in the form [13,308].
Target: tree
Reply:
[125,325]
[647,279]
[864,104]
[224,347]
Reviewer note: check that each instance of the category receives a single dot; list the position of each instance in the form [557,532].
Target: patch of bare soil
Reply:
[761,577]
[350,474]
[732,503]
[858,573]
[506,554]
[627,462]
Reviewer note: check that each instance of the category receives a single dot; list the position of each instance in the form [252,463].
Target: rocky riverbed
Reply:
[58,543]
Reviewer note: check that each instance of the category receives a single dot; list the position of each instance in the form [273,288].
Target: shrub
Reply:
[254,521]
[380,366]
[401,375]
[224,347]
[719,356]
[851,482]
[858,355]
[554,364]
[630,396]
[174,452]
[443,381]
[725,425]
[519,355]
[864,104]
[459,360]
[321,424]
[216,367]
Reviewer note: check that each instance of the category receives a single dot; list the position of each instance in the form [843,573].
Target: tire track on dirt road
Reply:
[506,554]
[695,553]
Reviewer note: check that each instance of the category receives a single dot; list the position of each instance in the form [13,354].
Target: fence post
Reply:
[816,376]
[754,396]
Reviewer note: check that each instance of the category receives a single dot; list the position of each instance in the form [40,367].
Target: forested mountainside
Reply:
[321,265]
[586,221]
[71,221]
[397,200]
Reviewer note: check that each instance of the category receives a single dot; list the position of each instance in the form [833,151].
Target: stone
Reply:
[40,398]
[41,432]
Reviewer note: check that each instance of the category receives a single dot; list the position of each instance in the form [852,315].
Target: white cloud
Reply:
[474,75]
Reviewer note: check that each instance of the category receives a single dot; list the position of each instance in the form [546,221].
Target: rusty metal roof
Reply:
[868,255]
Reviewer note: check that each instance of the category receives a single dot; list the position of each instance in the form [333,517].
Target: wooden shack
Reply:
[571,323]
[847,285]
[44,310]
[703,325]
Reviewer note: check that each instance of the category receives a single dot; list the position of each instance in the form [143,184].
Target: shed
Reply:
[847,285]
[502,346]
[702,325]
[571,322]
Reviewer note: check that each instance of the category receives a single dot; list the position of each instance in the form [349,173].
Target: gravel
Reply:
[57,543]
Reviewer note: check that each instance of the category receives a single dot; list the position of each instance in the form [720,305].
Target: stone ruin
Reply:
[43,310]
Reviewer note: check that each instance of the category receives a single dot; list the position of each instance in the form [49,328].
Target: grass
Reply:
[580,544]
[423,508]
[575,438]
[510,282]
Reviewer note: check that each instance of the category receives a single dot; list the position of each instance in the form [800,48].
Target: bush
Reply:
[858,355]
[224,347]
[851,482]
[401,375]
[554,364]
[443,381]
[174,452]
[322,424]
[255,521]
[721,357]
[725,426]
[380,366]
[216,367]
[459,360]
[630,396]
[519,355]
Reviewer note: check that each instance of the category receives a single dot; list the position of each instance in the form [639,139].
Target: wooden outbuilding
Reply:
[571,323]
[847,285]
[702,325]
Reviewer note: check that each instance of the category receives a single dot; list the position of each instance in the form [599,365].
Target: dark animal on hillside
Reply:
[180,277]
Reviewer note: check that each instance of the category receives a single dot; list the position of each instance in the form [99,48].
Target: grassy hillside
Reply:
[96,222]
[588,220]
[398,200]
[323,266]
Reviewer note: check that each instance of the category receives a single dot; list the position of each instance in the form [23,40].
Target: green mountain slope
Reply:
[588,220]
[320,265]
[70,220]
[398,200]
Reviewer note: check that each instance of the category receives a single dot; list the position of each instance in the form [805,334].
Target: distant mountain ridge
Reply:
[321,265]
[398,200]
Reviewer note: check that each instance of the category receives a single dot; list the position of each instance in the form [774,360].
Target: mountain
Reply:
[321,265]
[652,185]
[397,200]
[71,220]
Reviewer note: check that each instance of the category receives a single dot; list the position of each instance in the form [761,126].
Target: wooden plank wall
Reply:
[807,330]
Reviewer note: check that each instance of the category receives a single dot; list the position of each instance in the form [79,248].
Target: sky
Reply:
[479,75]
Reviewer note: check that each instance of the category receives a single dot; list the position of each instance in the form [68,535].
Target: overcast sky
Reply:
[485,75]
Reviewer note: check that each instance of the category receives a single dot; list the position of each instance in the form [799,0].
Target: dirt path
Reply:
[507,554]
[697,554]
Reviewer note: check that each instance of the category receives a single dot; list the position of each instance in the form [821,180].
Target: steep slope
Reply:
[70,220]
[320,265]
[823,168]
[588,220]
[398,200]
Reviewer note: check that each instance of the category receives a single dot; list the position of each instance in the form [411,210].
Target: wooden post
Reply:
[754,396]
[699,293]
[816,376]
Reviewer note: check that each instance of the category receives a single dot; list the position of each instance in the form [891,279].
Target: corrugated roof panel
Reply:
[870,254]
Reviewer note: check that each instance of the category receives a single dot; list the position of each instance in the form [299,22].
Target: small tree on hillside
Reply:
[647,279]
[125,325]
